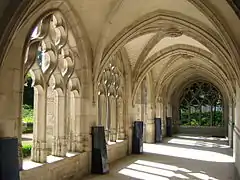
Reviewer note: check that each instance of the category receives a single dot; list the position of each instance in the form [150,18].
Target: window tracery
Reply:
[201,105]
[51,62]
[110,101]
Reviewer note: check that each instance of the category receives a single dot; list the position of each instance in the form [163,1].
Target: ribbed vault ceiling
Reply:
[167,40]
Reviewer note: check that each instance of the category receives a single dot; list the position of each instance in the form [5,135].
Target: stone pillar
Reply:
[75,123]
[120,125]
[78,140]
[39,153]
[71,126]
[163,113]
[236,134]
[169,110]
[102,107]
[87,121]
[150,125]
[59,147]
[103,110]
[138,106]
[157,110]
[231,124]
[50,118]
[113,119]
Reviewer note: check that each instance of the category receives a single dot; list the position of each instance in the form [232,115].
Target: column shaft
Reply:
[39,153]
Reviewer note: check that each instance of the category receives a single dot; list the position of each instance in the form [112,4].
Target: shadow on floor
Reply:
[180,157]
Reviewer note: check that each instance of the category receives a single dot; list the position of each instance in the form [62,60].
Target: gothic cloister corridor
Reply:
[87,85]
[178,158]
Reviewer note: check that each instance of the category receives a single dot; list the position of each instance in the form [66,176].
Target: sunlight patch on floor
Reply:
[187,153]
[146,170]
[196,143]
[201,138]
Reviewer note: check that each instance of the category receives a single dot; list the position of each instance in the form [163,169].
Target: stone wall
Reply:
[72,168]
[207,131]
[117,151]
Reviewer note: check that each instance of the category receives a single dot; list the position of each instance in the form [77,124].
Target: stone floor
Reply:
[180,157]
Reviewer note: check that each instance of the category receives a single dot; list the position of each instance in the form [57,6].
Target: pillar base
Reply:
[106,135]
[75,144]
[59,147]
[121,135]
[113,136]
[39,151]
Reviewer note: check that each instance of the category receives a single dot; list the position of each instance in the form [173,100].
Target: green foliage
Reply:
[27,113]
[27,118]
[195,100]
[26,150]
[27,130]
[204,120]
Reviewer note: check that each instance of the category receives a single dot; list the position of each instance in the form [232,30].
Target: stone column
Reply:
[78,140]
[157,110]
[113,119]
[138,106]
[50,118]
[39,153]
[236,134]
[163,118]
[231,124]
[150,125]
[102,107]
[120,125]
[59,147]
[71,131]
[75,123]
[169,110]
[86,123]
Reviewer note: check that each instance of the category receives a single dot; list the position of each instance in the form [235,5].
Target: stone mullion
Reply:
[108,120]
[113,123]
[71,122]
[78,139]
[120,125]
[39,153]
[59,147]
[150,126]
[103,113]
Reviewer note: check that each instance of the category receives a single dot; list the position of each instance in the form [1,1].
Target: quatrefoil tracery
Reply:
[48,53]
[111,82]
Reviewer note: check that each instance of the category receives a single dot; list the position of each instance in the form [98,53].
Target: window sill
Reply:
[28,164]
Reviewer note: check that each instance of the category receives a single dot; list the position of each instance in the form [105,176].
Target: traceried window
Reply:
[110,101]
[201,105]
[50,64]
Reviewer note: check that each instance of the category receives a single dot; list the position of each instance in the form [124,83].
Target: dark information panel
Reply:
[137,140]
[9,164]
[99,151]
[169,127]
[158,130]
